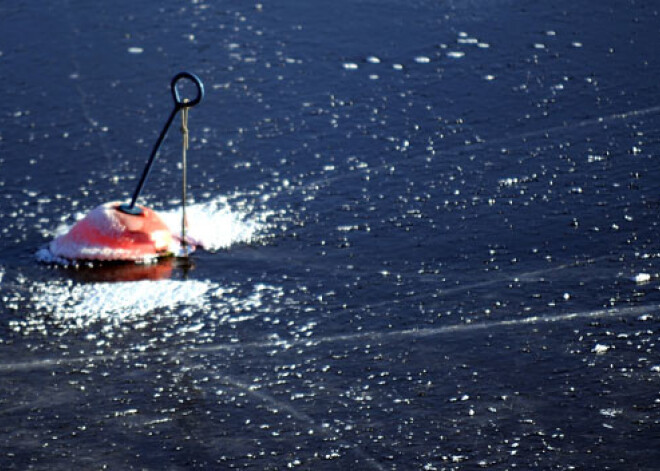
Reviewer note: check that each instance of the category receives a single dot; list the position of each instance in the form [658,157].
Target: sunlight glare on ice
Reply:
[213,225]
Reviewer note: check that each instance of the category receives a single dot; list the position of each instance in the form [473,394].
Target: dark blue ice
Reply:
[445,236]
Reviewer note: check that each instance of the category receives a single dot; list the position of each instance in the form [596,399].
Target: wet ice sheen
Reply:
[87,303]
[78,306]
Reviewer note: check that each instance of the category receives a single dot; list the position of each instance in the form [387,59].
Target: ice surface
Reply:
[450,270]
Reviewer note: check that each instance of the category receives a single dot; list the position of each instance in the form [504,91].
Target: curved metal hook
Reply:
[178,102]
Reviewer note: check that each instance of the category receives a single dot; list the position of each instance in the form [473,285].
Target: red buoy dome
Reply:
[107,233]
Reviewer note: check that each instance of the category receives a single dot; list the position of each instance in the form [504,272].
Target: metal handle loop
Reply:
[178,102]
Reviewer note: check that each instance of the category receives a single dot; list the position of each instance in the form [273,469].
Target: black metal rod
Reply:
[152,157]
[178,105]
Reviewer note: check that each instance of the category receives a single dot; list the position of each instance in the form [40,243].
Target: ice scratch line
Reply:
[532,320]
[414,332]
[566,126]
[417,332]
[54,362]
[302,416]
[524,277]
[77,85]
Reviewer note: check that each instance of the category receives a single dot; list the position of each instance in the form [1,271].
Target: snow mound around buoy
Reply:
[106,234]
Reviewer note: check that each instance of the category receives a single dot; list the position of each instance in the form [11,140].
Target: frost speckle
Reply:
[600,349]
[641,278]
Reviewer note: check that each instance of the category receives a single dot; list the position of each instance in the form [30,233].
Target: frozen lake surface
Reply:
[432,233]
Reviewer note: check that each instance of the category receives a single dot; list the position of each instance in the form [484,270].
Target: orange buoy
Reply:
[107,233]
[130,232]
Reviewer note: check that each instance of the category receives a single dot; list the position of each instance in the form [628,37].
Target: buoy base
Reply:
[108,233]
